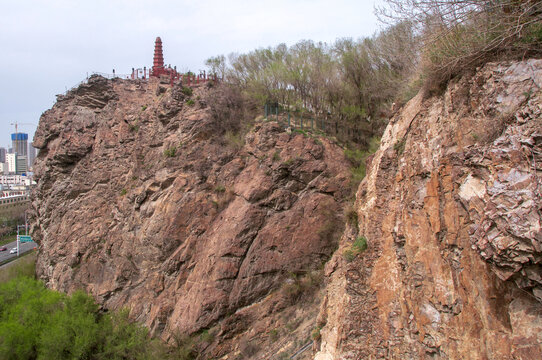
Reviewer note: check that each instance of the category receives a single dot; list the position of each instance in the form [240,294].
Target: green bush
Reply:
[190,102]
[187,91]
[170,152]
[315,335]
[359,246]
[37,323]
[206,336]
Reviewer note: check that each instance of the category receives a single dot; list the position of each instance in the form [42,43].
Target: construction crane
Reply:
[16,124]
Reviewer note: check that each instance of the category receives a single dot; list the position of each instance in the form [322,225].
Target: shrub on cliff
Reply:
[230,108]
[359,246]
[37,323]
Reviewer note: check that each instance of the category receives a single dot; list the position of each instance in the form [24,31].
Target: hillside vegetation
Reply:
[38,323]
[355,83]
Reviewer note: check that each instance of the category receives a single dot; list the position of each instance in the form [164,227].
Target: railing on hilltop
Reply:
[113,76]
[144,74]
[308,121]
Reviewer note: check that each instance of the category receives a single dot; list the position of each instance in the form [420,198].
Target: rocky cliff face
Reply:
[451,210]
[146,203]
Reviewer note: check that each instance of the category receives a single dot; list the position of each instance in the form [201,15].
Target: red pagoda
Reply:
[158,68]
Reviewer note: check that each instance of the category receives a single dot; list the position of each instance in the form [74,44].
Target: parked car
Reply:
[3,248]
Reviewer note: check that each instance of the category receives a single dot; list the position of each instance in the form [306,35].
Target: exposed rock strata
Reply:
[144,203]
[451,208]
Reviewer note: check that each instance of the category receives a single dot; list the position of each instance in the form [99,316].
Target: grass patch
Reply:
[399,146]
[288,162]
[315,334]
[298,285]
[359,246]
[170,152]
[190,102]
[187,91]
[357,158]
[273,335]
[299,131]
[206,336]
[352,216]
[234,140]
[123,192]
[276,156]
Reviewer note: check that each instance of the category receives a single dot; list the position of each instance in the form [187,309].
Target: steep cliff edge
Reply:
[451,210]
[147,202]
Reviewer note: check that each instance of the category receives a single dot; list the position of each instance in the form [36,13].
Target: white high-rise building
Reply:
[11,160]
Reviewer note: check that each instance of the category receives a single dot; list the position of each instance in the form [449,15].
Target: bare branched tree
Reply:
[461,34]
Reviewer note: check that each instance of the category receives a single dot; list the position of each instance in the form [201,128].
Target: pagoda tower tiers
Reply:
[158,68]
[158,55]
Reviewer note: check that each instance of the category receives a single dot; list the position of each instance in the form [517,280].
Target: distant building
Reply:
[17,164]
[11,181]
[19,141]
[3,153]
[31,155]
[22,164]
[11,160]
[3,168]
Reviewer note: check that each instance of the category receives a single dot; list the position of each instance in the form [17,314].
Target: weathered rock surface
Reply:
[145,204]
[451,209]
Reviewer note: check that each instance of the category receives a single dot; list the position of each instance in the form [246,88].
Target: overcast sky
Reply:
[49,46]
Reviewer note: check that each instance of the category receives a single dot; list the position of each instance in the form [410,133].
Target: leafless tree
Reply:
[461,34]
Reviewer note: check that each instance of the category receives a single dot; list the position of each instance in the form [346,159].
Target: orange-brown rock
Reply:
[144,202]
[451,210]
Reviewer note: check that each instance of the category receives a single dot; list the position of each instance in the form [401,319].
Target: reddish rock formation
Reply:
[145,203]
[451,209]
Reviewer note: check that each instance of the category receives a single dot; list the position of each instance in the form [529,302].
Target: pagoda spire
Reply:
[158,61]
